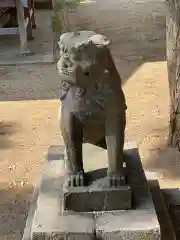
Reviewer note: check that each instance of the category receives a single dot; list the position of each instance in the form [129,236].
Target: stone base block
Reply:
[97,195]
[90,199]
[138,223]
[50,222]
[54,226]
[128,225]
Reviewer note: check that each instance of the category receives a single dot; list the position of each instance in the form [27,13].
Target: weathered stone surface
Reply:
[94,105]
[52,225]
[49,222]
[130,225]
[55,152]
[97,199]
[27,229]
[109,198]
[138,223]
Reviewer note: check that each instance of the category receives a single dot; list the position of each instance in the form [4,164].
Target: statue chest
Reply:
[92,102]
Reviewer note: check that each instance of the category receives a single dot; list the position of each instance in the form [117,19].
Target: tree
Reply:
[173,64]
[60,20]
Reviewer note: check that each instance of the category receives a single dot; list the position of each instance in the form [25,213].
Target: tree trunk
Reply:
[173,63]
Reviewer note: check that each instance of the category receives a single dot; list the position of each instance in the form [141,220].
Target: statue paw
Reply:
[75,180]
[116,179]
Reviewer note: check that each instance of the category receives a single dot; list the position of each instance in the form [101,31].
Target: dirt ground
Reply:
[29,104]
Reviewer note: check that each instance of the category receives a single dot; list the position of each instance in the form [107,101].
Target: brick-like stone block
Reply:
[128,225]
[49,225]
[141,222]
[50,222]
[87,199]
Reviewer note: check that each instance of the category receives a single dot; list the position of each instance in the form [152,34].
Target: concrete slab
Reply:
[128,225]
[27,229]
[62,227]
[138,223]
[51,222]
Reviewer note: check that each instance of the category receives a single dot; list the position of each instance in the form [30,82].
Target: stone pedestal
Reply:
[97,199]
[50,222]
[97,196]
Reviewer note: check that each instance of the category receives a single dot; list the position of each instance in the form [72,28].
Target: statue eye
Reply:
[86,73]
[67,62]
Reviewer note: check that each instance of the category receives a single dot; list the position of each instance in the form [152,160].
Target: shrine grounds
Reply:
[29,102]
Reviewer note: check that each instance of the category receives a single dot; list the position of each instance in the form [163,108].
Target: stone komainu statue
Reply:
[93,104]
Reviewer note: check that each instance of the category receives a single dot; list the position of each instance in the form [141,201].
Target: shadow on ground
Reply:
[6,130]
[14,206]
[172,201]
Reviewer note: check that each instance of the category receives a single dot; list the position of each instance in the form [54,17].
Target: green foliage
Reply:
[66,4]
[60,21]
[56,23]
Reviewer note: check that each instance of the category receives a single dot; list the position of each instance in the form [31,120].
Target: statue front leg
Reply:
[72,133]
[115,128]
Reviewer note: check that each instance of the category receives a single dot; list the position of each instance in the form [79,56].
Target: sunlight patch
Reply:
[87,1]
